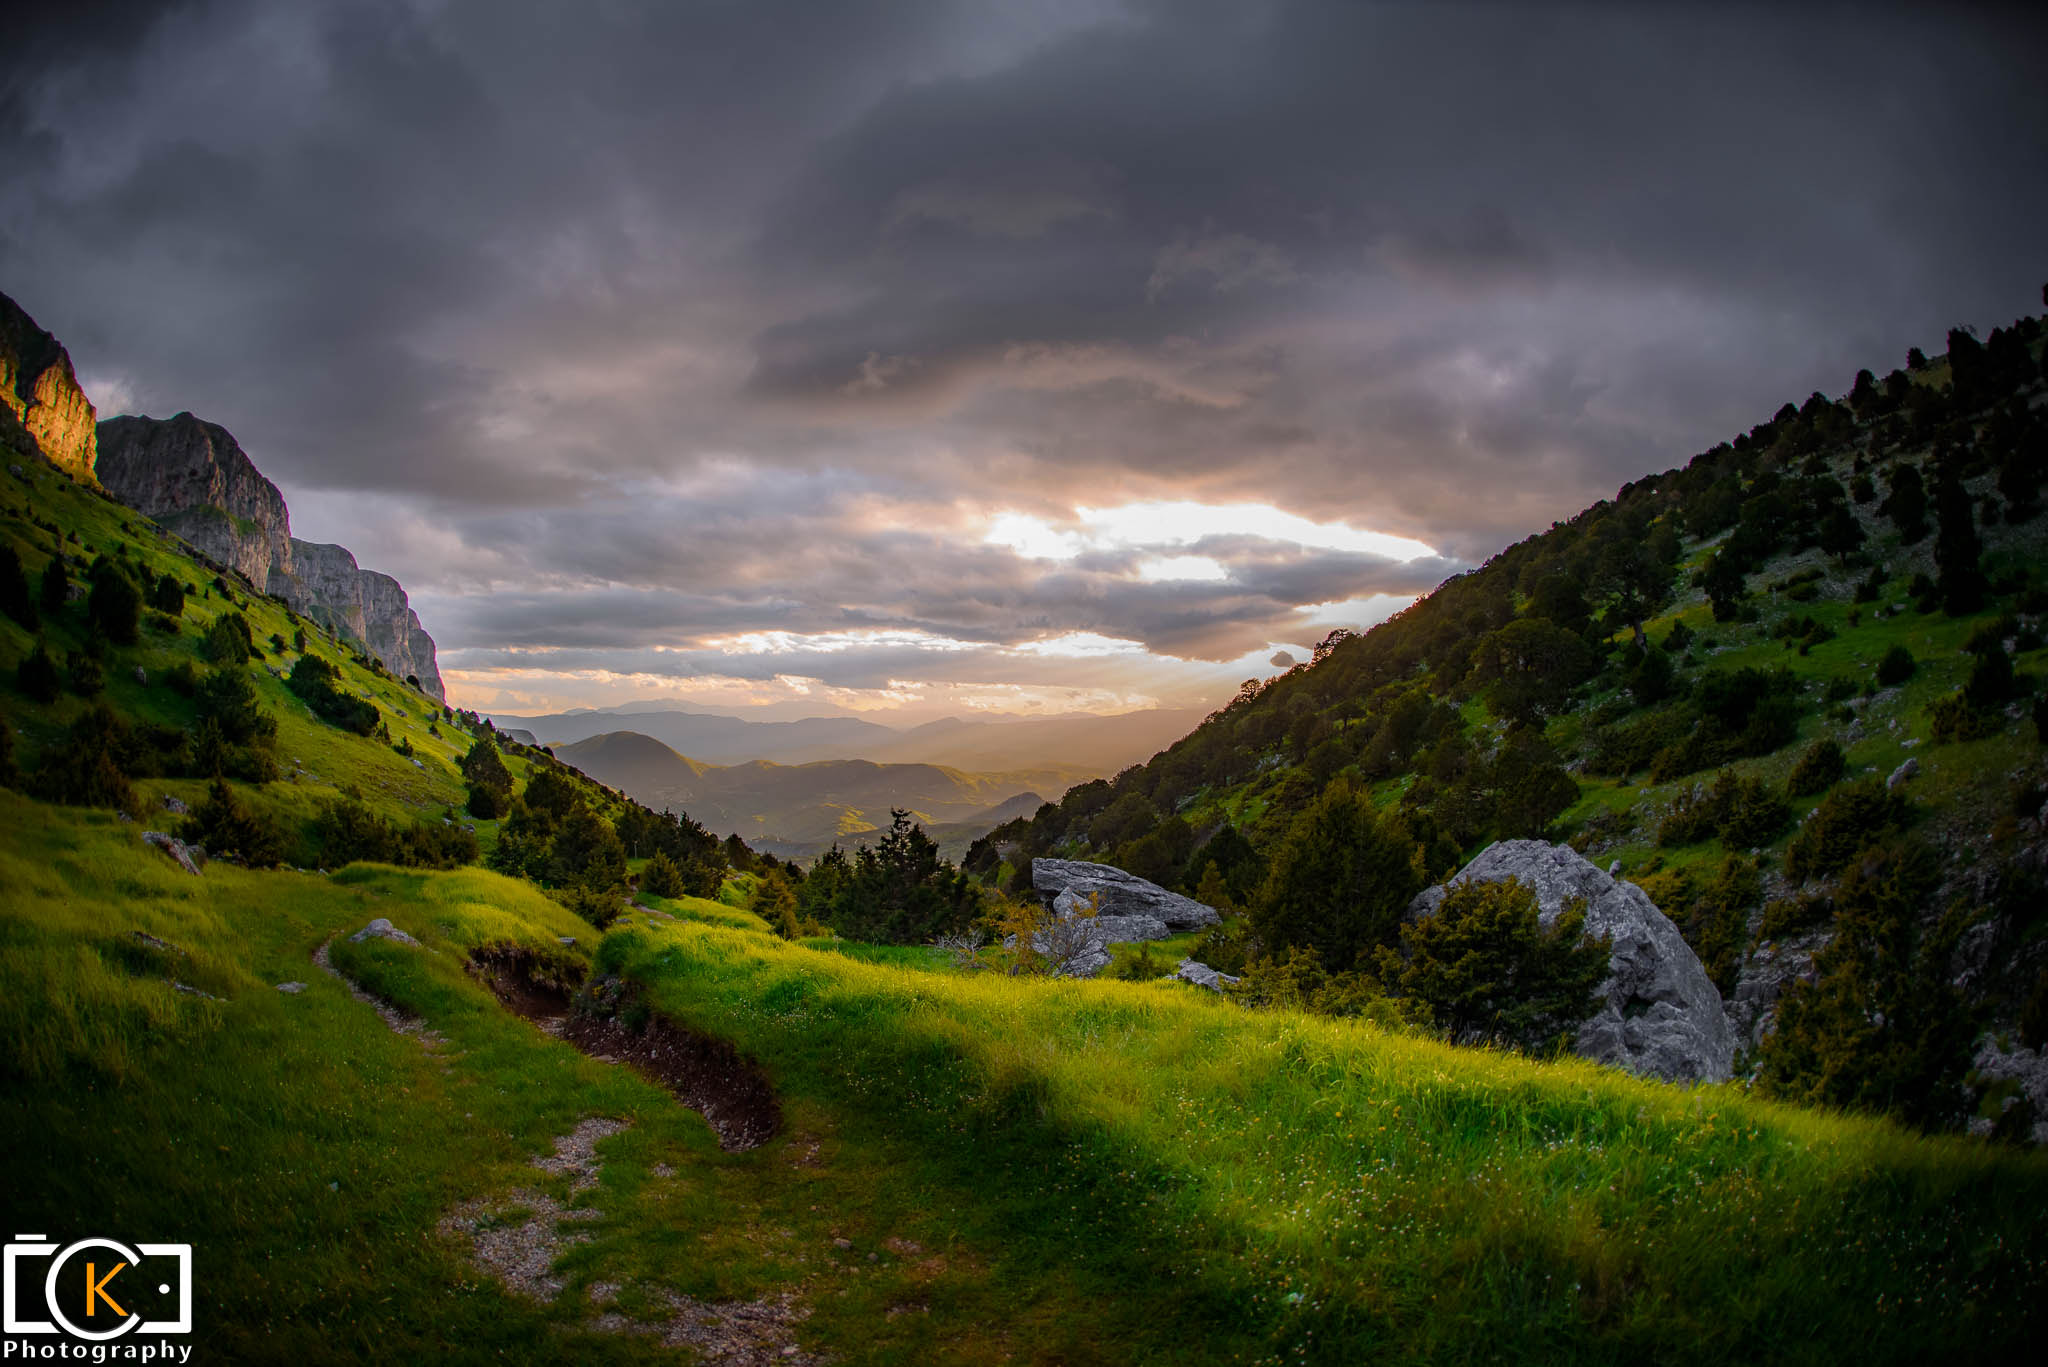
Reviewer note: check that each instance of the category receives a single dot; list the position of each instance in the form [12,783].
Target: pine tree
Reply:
[1957,549]
[15,599]
[1340,879]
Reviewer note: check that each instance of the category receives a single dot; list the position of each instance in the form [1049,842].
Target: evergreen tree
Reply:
[113,608]
[1340,879]
[229,829]
[662,877]
[37,677]
[484,767]
[1880,1025]
[1957,550]
[168,597]
[15,599]
[1905,503]
[56,589]
[899,891]
[1488,971]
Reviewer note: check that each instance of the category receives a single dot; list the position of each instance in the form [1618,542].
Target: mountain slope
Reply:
[195,479]
[797,810]
[1716,681]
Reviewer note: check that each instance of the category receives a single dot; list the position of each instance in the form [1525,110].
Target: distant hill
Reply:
[798,810]
[1094,747]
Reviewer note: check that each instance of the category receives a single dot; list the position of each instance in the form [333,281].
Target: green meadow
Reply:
[970,1167]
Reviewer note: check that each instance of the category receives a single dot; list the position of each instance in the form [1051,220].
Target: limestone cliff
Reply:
[41,393]
[326,585]
[195,479]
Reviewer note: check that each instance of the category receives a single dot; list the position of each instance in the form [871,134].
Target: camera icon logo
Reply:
[97,1289]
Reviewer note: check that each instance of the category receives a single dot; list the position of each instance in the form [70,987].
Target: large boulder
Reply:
[1661,1015]
[1122,894]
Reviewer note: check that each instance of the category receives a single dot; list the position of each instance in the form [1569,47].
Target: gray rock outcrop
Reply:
[1661,1015]
[40,395]
[381,929]
[2024,1072]
[196,481]
[1201,975]
[1122,894]
[325,583]
[175,848]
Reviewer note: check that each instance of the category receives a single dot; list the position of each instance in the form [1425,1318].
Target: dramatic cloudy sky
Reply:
[1062,354]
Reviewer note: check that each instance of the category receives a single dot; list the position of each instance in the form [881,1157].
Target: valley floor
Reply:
[968,1168]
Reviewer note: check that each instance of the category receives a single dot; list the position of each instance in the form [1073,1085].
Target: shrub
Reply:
[1879,1026]
[1740,811]
[114,607]
[598,906]
[1487,969]
[1225,947]
[483,766]
[228,829]
[1718,924]
[1953,719]
[15,599]
[662,877]
[1847,820]
[1819,769]
[228,640]
[168,596]
[346,830]
[1895,667]
[91,767]
[36,676]
[83,675]
[486,804]
[227,698]
[318,683]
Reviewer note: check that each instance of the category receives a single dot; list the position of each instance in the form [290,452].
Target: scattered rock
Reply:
[291,989]
[175,848]
[565,939]
[1201,975]
[165,945]
[174,806]
[1121,894]
[1662,1016]
[381,929]
[193,991]
[142,676]
[2027,1070]
[1614,869]
[1904,774]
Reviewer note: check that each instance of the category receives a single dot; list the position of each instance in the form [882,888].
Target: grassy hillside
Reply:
[968,1169]
[1676,681]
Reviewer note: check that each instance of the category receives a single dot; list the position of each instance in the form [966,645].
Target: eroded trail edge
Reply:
[607,1020]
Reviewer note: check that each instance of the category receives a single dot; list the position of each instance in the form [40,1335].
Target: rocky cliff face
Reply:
[41,393]
[195,479]
[326,585]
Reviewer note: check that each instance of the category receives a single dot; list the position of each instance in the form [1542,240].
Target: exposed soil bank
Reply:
[607,1021]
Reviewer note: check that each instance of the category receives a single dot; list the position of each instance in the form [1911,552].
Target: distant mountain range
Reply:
[800,810]
[1093,746]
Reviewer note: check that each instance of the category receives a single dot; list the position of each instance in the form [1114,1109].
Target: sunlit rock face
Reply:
[194,479]
[39,389]
[328,586]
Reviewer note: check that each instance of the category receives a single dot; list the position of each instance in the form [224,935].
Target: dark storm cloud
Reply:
[612,330]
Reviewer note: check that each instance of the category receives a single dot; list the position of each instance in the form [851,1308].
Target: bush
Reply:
[168,596]
[486,804]
[1740,811]
[36,676]
[91,767]
[1226,947]
[227,698]
[318,683]
[600,907]
[1895,667]
[15,598]
[228,640]
[83,675]
[230,830]
[1952,720]
[1819,769]
[662,877]
[114,607]
[1847,820]
[1488,971]
[346,831]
